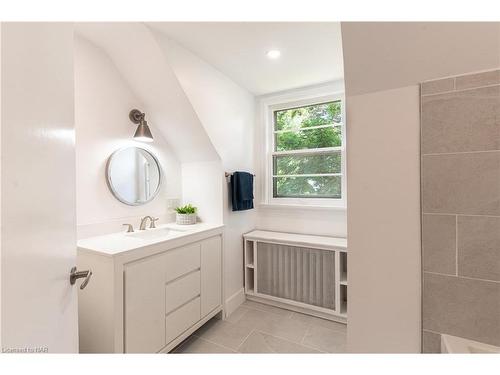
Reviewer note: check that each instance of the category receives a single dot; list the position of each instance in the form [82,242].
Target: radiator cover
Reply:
[296,273]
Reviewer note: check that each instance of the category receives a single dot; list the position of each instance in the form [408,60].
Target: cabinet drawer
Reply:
[180,291]
[181,261]
[181,319]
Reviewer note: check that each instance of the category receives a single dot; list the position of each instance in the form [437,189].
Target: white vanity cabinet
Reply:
[149,299]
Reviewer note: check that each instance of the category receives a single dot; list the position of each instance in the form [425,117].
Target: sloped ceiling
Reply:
[225,109]
[134,50]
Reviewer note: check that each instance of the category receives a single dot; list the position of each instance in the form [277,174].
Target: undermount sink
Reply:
[151,234]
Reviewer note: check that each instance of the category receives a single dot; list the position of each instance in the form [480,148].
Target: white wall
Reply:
[226,111]
[318,221]
[384,221]
[307,220]
[202,187]
[103,101]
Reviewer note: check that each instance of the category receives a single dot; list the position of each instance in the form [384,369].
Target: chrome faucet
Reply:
[144,221]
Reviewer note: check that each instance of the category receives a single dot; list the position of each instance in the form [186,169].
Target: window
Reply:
[306,163]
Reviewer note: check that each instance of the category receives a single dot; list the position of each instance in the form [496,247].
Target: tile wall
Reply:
[460,147]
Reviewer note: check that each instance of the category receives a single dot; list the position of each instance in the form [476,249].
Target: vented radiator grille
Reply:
[296,273]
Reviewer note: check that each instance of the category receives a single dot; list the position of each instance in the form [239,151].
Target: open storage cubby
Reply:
[249,254]
[250,280]
[343,299]
[250,250]
[343,268]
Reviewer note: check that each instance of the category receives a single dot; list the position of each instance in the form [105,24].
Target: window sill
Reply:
[300,207]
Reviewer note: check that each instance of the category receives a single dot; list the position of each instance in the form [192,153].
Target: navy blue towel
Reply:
[242,191]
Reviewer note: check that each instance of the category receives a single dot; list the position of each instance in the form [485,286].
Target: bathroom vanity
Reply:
[150,289]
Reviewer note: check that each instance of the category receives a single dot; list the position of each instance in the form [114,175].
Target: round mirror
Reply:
[133,175]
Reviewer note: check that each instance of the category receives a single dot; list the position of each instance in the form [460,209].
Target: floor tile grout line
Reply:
[305,334]
[287,340]
[214,343]
[244,340]
[230,323]
[296,343]
[267,333]
[204,339]
[227,320]
[321,326]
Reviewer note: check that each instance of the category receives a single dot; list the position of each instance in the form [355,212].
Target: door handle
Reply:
[74,275]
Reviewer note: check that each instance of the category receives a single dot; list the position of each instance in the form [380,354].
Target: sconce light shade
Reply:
[142,134]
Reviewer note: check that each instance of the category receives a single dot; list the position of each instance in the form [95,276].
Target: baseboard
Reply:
[233,302]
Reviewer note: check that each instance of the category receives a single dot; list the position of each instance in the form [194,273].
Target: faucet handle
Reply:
[153,221]
[130,228]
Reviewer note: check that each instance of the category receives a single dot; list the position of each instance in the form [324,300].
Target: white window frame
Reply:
[268,108]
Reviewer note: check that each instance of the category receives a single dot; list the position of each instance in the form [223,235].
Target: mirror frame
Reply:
[110,184]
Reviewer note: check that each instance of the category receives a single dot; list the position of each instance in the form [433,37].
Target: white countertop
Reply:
[116,243]
[298,239]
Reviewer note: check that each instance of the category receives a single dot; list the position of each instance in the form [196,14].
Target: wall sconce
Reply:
[142,134]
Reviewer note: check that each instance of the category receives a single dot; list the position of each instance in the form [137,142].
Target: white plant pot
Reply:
[185,219]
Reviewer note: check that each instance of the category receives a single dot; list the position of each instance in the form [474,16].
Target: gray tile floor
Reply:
[259,328]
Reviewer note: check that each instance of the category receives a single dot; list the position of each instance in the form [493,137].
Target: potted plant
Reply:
[185,214]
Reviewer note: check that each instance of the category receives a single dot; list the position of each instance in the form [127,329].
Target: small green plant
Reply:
[187,209]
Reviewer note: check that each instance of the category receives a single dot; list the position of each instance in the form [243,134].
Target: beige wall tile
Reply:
[461,121]
[438,243]
[478,80]
[479,247]
[462,183]
[441,85]
[462,307]
[431,342]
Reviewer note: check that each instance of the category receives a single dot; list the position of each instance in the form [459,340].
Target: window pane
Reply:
[308,138]
[312,115]
[307,164]
[307,187]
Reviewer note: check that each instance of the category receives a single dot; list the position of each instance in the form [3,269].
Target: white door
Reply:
[39,306]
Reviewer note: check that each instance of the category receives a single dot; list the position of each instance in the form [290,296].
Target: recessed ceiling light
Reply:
[273,54]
